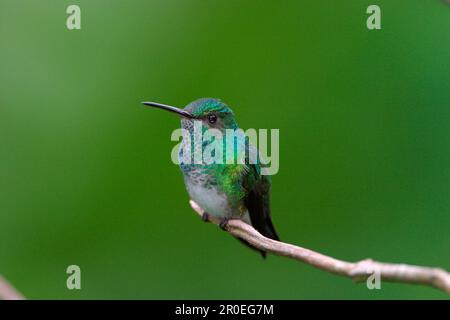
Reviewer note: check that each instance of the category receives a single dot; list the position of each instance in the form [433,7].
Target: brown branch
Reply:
[8,292]
[357,271]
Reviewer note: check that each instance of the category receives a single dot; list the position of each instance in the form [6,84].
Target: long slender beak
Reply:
[178,111]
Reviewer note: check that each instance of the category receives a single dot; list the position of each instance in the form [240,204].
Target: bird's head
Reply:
[213,113]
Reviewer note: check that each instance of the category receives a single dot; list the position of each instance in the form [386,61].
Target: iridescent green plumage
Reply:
[236,190]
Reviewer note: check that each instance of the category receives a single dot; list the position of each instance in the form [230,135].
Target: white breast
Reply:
[210,200]
[213,202]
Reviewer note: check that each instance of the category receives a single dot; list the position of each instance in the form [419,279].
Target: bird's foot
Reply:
[223,224]
[205,217]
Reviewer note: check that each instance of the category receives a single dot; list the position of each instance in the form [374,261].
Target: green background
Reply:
[85,170]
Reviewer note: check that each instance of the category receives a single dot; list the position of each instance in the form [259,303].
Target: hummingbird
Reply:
[223,190]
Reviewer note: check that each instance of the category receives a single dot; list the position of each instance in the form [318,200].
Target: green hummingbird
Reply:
[224,190]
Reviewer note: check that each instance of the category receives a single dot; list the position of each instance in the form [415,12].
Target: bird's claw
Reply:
[205,217]
[223,224]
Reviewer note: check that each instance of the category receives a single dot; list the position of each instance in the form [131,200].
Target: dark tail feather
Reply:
[267,231]
[257,203]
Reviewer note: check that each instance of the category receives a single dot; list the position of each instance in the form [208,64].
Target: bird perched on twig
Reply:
[226,189]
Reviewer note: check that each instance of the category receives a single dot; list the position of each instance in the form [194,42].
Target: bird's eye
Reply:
[212,118]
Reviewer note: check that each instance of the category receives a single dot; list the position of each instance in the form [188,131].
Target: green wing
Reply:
[257,202]
[257,199]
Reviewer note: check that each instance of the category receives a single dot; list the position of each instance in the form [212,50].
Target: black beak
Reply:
[178,111]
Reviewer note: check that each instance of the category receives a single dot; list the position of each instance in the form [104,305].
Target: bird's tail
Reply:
[267,231]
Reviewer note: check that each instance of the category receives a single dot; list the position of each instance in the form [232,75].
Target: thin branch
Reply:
[357,271]
[8,292]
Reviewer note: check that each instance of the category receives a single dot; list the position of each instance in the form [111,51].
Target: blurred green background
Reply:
[85,170]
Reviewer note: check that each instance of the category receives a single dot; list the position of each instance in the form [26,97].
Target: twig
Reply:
[8,292]
[357,271]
